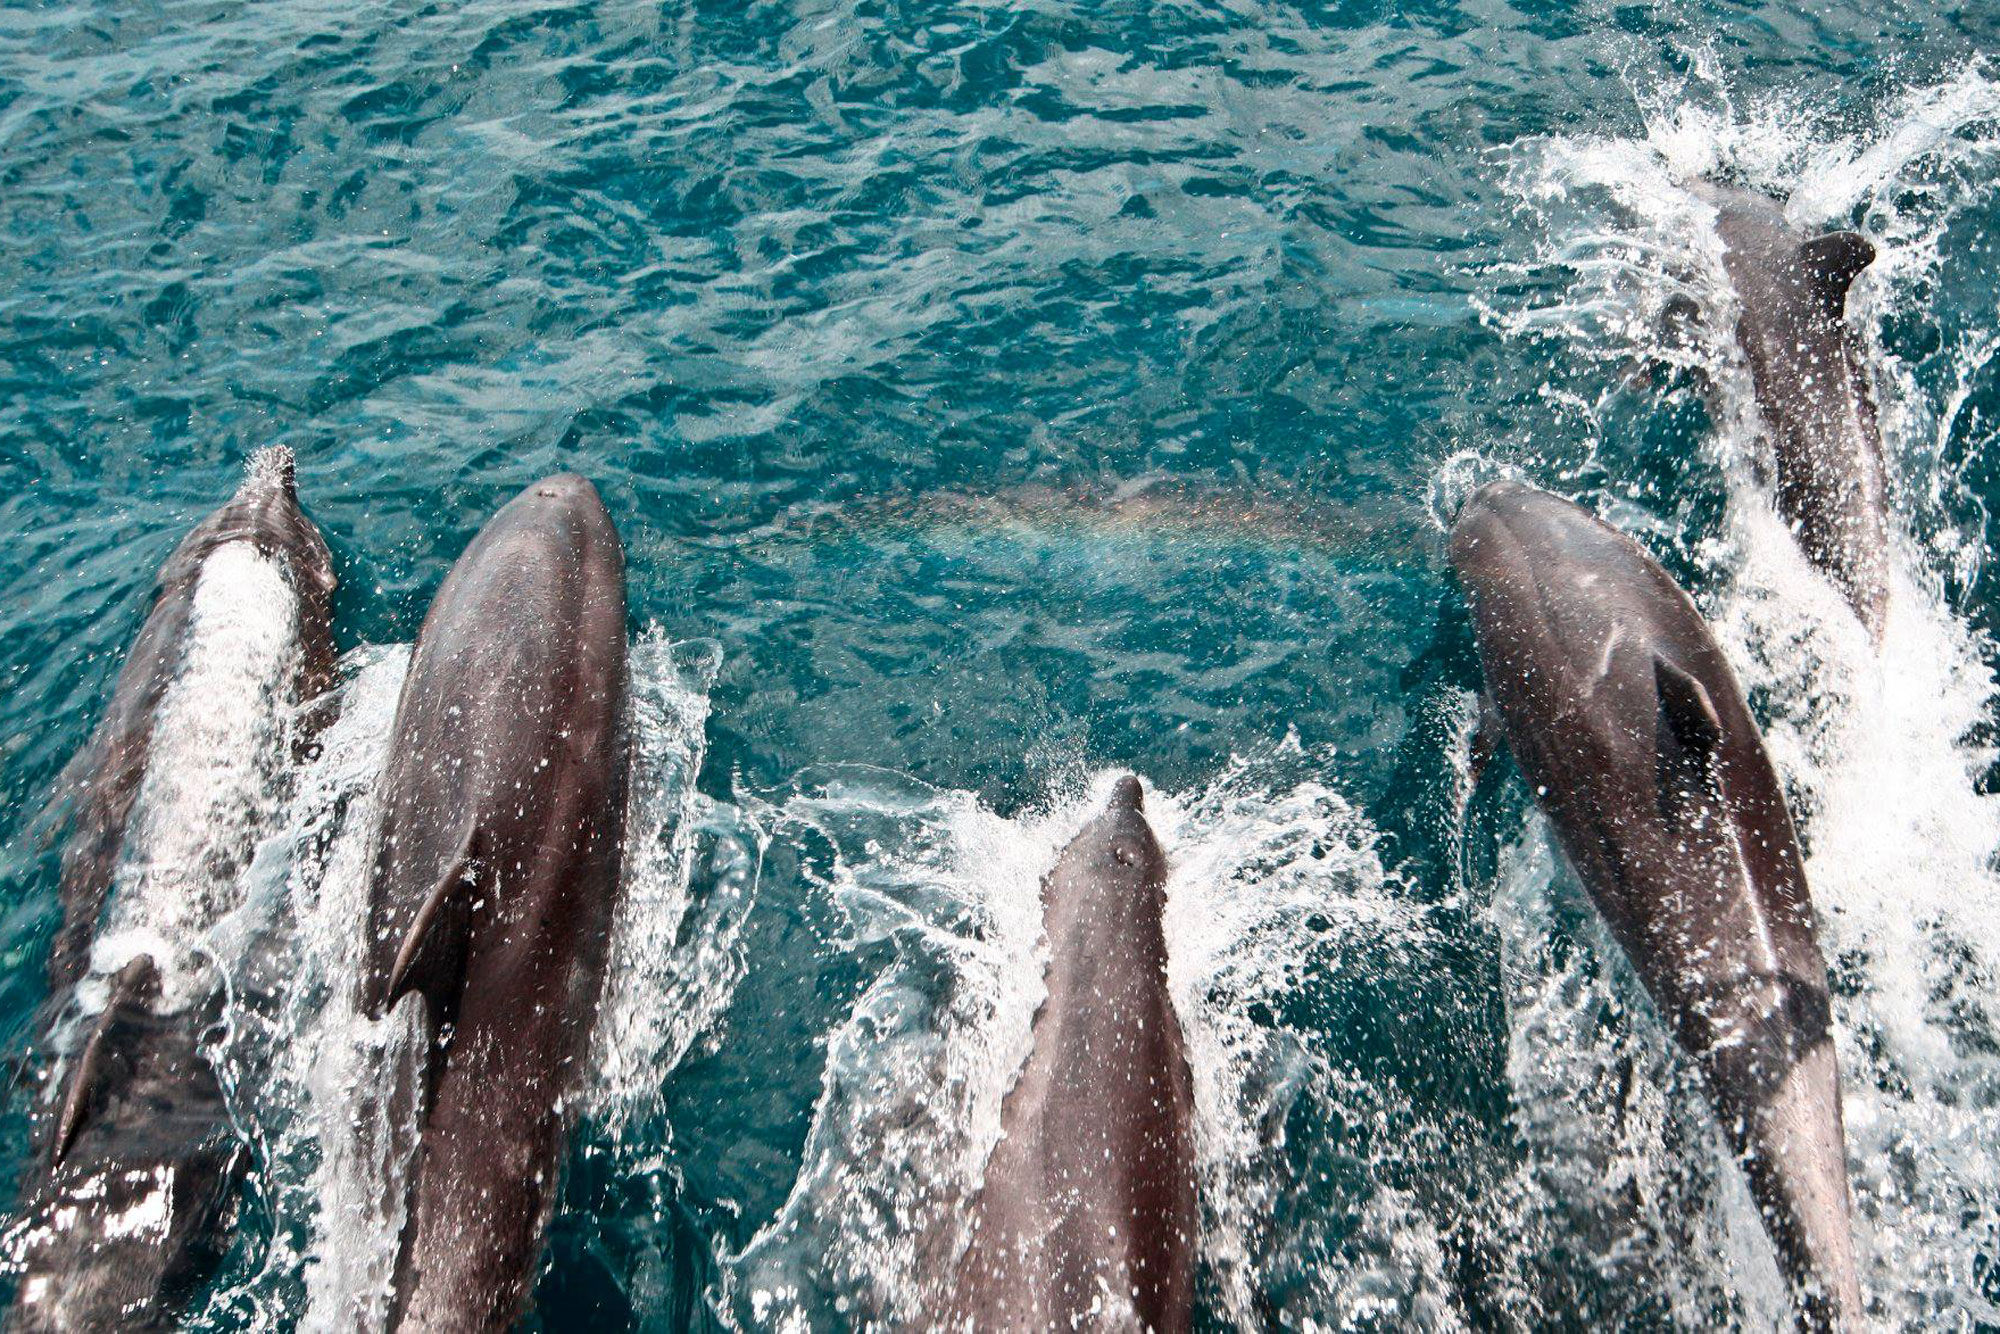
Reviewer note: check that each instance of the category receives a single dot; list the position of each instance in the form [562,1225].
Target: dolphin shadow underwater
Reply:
[129,1198]
[1087,1215]
[1628,725]
[1811,388]
[492,891]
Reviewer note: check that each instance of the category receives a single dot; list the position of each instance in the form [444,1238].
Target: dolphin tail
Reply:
[1796,1160]
[1775,1083]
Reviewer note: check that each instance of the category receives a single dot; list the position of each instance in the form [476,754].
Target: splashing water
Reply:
[303,1062]
[214,771]
[910,1101]
[668,973]
[1264,874]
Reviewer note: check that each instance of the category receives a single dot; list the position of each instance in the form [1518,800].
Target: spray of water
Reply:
[214,771]
[673,962]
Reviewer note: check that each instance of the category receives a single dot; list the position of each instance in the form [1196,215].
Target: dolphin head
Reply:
[1117,848]
[561,514]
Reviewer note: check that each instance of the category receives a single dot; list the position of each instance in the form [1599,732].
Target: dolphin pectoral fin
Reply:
[431,958]
[1832,262]
[136,985]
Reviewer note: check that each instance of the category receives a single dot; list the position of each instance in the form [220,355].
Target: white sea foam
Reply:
[299,1059]
[219,751]
[673,961]
[348,1065]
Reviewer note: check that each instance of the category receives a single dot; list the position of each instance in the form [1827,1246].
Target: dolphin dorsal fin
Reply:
[1687,715]
[1831,263]
[431,958]
[136,984]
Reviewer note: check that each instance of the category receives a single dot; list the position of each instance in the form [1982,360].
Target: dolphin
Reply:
[1087,1215]
[1631,730]
[127,1199]
[492,889]
[1811,389]
[103,781]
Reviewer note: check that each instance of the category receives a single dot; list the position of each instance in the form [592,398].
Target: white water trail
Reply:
[910,1099]
[673,962]
[296,1028]
[348,1065]
[214,772]
[1882,749]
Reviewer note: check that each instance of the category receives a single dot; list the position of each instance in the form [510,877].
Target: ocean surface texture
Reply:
[994,399]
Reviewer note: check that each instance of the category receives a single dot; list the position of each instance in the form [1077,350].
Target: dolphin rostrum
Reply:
[494,881]
[1630,729]
[1811,389]
[1087,1215]
[127,1199]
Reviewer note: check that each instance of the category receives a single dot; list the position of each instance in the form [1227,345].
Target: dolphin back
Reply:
[1812,390]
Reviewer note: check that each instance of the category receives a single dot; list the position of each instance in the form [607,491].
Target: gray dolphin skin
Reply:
[128,1200]
[492,892]
[1629,727]
[1811,391]
[1087,1216]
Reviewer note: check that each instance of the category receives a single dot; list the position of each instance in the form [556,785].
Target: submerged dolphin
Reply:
[127,1199]
[103,781]
[495,876]
[1628,725]
[1811,390]
[1087,1215]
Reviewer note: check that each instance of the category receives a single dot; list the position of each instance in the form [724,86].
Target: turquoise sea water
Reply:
[994,398]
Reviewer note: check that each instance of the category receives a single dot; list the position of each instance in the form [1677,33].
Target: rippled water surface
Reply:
[992,398]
